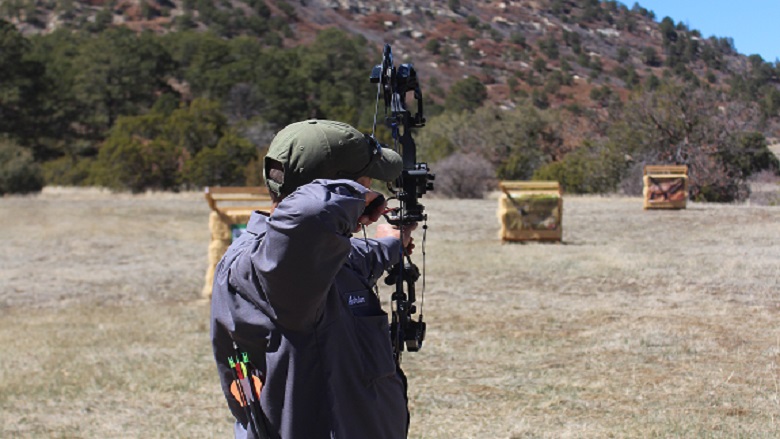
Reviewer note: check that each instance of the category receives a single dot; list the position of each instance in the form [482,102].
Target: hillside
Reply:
[518,85]
[564,48]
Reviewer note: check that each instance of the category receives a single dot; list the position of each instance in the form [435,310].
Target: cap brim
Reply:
[388,167]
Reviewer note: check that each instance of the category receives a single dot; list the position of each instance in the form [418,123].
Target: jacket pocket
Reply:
[373,335]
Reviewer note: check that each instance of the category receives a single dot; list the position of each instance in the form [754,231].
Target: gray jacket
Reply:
[294,291]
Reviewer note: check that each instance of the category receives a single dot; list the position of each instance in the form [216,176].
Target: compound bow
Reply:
[415,180]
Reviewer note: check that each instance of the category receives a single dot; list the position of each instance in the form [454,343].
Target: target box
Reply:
[231,208]
[530,211]
[665,186]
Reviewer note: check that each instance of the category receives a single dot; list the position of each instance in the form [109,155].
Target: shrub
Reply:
[549,47]
[464,176]
[710,179]
[137,165]
[67,171]
[747,152]
[540,99]
[253,171]
[622,54]
[153,150]
[18,171]
[434,46]
[652,82]
[466,95]
[554,82]
[517,38]
[602,95]
[650,57]
[514,141]
[540,65]
[591,168]
[223,165]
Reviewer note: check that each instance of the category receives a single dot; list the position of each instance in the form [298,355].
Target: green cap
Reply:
[315,149]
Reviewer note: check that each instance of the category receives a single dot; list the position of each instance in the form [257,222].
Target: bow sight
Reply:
[415,180]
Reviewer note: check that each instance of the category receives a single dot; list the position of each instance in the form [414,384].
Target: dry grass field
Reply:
[641,324]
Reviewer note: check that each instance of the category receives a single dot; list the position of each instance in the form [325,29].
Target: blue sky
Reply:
[753,24]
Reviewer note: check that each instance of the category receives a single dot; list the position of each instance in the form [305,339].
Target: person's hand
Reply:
[376,205]
[385,230]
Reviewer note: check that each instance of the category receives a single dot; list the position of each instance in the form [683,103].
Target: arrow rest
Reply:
[415,180]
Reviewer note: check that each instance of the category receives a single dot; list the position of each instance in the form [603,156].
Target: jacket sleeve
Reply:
[371,257]
[307,242]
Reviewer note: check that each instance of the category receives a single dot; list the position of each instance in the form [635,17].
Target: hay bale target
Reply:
[231,208]
[530,211]
[665,186]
